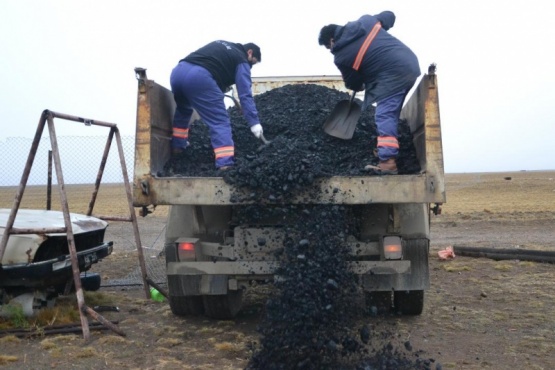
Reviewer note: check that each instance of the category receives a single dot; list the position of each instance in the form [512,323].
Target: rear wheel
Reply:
[180,304]
[186,305]
[377,303]
[223,306]
[409,302]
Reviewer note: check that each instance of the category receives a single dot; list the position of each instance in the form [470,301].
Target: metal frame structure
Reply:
[47,117]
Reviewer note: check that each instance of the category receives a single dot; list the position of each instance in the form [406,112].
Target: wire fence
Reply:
[80,159]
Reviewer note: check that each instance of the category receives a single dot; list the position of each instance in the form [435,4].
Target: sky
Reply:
[495,62]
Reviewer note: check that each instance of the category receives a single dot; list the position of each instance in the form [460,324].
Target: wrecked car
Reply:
[36,267]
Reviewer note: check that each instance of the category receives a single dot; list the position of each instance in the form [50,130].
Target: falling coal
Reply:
[307,320]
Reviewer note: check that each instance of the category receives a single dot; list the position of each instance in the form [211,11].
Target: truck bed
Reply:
[155,107]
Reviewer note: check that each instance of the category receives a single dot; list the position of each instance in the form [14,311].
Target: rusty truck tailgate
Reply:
[155,107]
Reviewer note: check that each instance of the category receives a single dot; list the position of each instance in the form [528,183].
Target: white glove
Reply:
[257,130]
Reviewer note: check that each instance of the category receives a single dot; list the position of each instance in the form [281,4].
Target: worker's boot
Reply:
[387,167]
[177,151]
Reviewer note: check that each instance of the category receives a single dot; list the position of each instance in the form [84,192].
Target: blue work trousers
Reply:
[387,115]
[194,87]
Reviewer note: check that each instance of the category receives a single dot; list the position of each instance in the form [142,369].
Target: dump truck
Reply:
[211,259]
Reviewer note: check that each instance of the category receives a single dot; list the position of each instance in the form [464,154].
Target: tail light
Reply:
[186,251]
[392,248]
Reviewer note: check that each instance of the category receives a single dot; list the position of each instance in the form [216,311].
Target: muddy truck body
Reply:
[210,259]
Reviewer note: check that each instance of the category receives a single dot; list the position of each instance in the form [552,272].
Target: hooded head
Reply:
[327,34]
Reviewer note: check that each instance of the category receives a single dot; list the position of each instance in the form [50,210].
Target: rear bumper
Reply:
[206,278]
[252,269]
[24,274]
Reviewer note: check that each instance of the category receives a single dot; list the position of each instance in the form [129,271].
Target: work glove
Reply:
[257,130]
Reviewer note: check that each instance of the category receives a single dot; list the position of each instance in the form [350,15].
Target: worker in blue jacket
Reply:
[371,59]
[199,82]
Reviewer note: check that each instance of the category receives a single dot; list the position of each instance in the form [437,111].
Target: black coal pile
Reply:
[299,152]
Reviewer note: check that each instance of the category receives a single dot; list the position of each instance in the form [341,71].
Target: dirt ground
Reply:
[479,313]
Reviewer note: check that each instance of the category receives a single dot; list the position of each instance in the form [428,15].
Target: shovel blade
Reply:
[342,121]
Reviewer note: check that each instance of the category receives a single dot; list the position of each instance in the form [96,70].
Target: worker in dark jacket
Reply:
[371,59]
[199,82]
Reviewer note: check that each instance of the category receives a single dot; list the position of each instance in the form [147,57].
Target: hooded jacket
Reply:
[388,66]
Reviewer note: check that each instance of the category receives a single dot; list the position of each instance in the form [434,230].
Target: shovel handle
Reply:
[266,142]
[353,96]
[235,101]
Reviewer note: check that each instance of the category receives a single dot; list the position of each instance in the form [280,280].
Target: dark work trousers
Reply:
[387,115]
[194,87]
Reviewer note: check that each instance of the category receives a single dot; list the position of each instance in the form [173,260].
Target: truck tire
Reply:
[410,302]
[223,306]
[186,305]
[378,303]
[181,305]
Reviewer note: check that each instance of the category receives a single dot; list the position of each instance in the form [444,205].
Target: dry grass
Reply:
[5,359]
[64,312]
[456,267]
[235,347]
[506,192]
[169,342]
[111,199]
[111,340]
[9,339]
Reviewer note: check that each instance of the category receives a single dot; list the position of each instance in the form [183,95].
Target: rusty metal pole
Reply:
[22,184]
[49,183]
[132,213]
[70,238]
[102,320]
[100,172]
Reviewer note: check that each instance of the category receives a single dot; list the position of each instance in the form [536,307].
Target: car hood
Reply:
[42,219]
[22,247]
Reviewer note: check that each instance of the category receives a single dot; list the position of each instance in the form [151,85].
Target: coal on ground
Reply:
[310,320]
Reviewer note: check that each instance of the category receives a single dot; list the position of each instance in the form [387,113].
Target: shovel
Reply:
[343,119]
